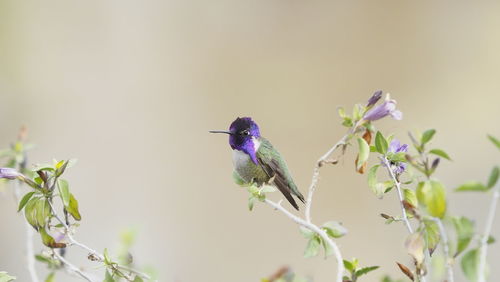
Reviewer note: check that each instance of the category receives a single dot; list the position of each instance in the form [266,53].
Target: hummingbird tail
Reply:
[285,190]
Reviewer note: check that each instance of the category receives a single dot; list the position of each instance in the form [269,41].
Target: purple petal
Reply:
[380,111]
[374,98]
[9,173]
[402,148]
[397,115]
[394,146]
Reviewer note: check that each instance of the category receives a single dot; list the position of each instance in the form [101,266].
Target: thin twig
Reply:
[93,252]
[400,195]
[483,250]
[319,164]
[319,231]
[446,250]
[72,268]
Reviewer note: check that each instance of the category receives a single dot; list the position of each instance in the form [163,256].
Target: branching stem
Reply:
[93,252]
[316,229]
[400,194]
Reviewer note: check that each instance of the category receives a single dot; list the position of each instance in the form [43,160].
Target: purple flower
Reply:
[396,147]
[9,173]
[374,98]
[383,110]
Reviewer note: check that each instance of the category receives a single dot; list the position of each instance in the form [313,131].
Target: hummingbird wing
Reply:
[275,167]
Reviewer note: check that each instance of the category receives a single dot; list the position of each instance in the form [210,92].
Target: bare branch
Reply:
[316,229]
[72,268]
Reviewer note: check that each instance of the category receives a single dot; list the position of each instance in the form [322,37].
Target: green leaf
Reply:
[312,248]
[381,143]
[341,112]
[349,266]
[107,259]
[432,194]
[42,211]
[364,152]
[49,241]
[64,191]
[108,277]
[440,153]
[25,200]
[30,212]
[238,180]
[436,200]
[410,197]
[251,202]
[427,136]
[492,180]
[308,234]
[4,277]
[72,208]
[494,140]
[334,229]
[43,167]
[491,240]
[268,189]
[431,235]
[470,264]
[51,277]
[472,186]
[372,180]
[464,229]
[365,270]
[397,157]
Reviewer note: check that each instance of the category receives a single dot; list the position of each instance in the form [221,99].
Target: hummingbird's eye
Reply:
[245,132]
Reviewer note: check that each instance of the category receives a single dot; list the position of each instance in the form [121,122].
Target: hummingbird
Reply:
[257,162]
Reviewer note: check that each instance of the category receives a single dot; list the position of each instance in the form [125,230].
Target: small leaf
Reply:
[108,277]
[238,180]
[334,229]
[436,200]
[464,229]
[427,136]
[440,153]
[251,202]
[381,143]
[43,167]
[492,180]
[341,112]
[64,191]
[49,241]
[431,235]
[312,248]
[406,271]
[4,277]
[349,266]
[494,140]
[306,232]
[364,152]
[472,186]
[267,189]
[470,264]
[25,200]
[410,197]
[107,259]
[30,212]
[415,244]
[51,277]
[42,211]
[72,208]
[372,179]
[491,240]
[365,270]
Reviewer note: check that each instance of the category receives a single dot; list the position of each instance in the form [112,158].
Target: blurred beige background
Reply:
[131,88]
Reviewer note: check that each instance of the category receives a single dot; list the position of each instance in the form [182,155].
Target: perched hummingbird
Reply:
[257,162]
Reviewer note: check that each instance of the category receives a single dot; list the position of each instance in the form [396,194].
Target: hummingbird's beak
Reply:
[221,131]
